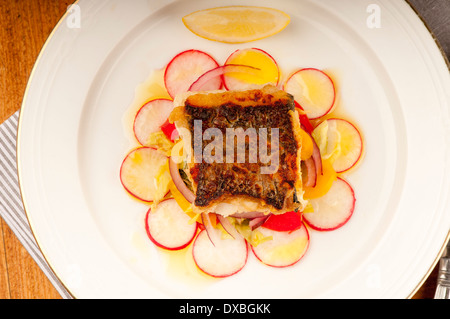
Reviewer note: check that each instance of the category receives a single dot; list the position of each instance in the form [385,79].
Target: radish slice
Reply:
[224,259]
[340,141]
[169,227]
[313,90]
[334,209]
[204,82]
[254,57]
[138,173]
[186,68]
[150,117]
[285,248]
[179,183]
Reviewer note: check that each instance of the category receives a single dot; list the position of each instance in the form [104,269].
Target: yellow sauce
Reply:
[181,266]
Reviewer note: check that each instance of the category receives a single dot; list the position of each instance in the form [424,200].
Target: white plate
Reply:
[393,83]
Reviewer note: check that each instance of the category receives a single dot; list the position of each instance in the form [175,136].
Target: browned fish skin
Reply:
[255,110]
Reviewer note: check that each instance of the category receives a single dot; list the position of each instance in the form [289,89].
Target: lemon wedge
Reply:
[236,24]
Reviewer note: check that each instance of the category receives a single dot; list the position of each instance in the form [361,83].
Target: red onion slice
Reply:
[213,233]
[203,80]
[179,183]
[311,172]
[228,226]
[316,156]
[249,215]
[257,222]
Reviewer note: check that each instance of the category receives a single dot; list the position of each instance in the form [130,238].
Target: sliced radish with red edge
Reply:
[334,209]
[138,173]
[313,90]
[185,68]
[169,227]
[227,257]
[150,118]
[204,82]
[344,137]
[284,249]
[253,57]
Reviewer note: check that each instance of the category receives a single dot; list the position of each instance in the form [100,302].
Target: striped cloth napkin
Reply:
[11,207]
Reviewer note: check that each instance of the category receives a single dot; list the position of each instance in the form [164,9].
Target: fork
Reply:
[443,281]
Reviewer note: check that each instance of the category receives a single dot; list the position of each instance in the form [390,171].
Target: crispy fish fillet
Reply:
[222,179]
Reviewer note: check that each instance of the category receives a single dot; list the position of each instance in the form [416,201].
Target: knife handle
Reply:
[443,281]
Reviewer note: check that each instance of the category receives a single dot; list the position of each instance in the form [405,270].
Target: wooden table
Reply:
[24,27]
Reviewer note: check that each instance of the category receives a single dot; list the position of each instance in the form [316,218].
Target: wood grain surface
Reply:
[24,28]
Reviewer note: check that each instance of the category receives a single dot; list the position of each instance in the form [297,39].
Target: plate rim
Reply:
[447,62]
[42,52]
